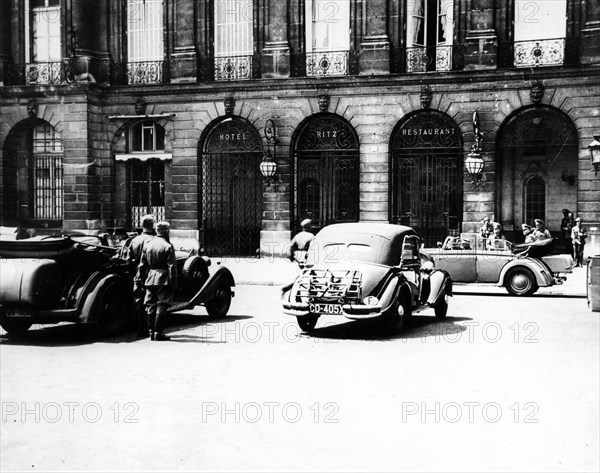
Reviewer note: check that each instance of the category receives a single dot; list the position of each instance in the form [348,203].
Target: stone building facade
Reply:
[377,132]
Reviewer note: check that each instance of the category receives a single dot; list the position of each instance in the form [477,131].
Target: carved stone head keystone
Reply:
[32,108]
[229,103]
[324,101]
[536,93]
[140,106]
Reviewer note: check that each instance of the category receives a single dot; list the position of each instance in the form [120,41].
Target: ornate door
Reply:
[327,168]
[231,190]
[426,179]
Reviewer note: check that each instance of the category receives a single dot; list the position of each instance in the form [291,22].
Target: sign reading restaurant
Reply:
[427,131]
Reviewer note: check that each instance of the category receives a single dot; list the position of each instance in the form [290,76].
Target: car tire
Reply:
[520,282]
[219,305]
[393,320]
[441,308]
[114,309]
[15,327]
[308,322]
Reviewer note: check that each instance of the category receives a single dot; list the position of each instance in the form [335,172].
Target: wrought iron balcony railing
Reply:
[327,63]
[423,59]
[233,68]
[543,52]
[46,73]
[147,72]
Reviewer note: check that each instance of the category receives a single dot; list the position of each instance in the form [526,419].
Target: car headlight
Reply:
[371,300]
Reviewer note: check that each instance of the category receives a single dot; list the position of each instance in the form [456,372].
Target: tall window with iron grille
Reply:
[145,42]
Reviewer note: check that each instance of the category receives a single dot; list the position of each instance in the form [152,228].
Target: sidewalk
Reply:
[278,272]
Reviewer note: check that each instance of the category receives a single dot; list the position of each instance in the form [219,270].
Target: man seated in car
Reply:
[540,232]
[495,237]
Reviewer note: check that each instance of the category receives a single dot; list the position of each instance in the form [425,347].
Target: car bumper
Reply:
[350,311]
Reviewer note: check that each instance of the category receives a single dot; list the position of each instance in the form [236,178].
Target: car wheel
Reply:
[114,309]
[520,282]
[15,326]
[441,308]
[308,322]
[219,305]
[392,319]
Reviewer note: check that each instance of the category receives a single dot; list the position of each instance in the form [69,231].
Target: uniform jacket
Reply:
[579,234]
[158,263]
[136,247]
[299,246]
[541,235]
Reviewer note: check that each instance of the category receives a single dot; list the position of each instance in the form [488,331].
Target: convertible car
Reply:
[363,271]
[82,279]
[521,268]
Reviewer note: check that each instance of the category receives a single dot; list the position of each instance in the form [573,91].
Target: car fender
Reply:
[207,291]
[95,285]
[390,292]
[539,270]
[440,286]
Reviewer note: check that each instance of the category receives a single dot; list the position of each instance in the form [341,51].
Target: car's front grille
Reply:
[326,285]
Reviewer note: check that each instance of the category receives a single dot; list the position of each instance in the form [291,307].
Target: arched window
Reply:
[234,39]
[327,33]
[145,41]
[535,199]
[231,189]
[327,171]
[429,35]
[46,174]
[540,30]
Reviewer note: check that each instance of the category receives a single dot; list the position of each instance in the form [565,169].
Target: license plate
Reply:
[329,309]
[14,313]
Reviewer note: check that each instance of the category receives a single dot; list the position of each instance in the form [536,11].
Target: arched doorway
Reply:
[231,189]
[32,178]
[426,175]
[326,160]
[537,168]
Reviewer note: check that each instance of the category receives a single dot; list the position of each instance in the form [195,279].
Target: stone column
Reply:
[87,39]
[5,42]
[481,42]
[589,47]
[276,53]
[375,45]
[183,56]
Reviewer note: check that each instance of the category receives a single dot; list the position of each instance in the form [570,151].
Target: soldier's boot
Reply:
[160,336]
[152,326]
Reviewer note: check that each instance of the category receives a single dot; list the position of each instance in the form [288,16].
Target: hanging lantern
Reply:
[594,148]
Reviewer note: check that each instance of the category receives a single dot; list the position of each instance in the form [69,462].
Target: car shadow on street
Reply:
[374,329]
[69,334]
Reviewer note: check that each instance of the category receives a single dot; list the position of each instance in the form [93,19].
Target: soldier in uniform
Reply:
[159,268]
[540,232]
[301,242]
[578,234]
[136,248]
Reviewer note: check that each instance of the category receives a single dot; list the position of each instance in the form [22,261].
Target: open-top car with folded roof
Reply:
[364,271]
[520,268]
[79,278]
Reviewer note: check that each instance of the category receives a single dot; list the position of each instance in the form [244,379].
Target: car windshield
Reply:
[365,248]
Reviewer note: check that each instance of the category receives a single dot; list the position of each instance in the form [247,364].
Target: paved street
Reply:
[503,384]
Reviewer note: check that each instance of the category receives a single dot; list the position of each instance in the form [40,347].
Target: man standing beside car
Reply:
[578,234]
[159,267]
[136,247]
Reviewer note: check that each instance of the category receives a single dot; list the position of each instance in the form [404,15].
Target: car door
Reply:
[460,263]
[490,264]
